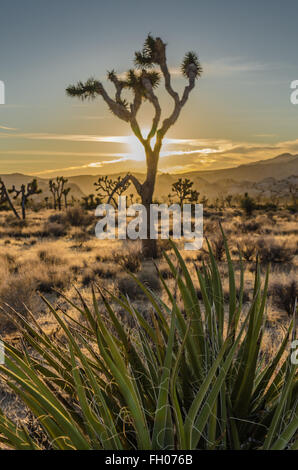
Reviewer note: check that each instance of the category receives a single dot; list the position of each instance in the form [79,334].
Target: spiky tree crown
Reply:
[191,63]
[149,54]
[134,80]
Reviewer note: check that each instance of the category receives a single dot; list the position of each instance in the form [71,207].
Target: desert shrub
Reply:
[88,277]
[127,286]
[271,250]
[248,248]
[248,204]
[218,248]
[12,221]
[129,260]
[49,257]
[57,277]
[80,236]
[58,218]
[187,382]
[285,295]
[77,217]
[105,270]
[250,226]
[19,291]
[54,229]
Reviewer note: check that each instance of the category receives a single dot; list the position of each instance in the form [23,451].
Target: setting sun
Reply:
[135,146]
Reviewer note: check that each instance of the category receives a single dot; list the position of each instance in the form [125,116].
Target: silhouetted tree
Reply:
[248,204]
[107,187]
[293,190]
[142,82]
[182,189]
[4,198]
[26,191]
[91,202]
[65,193]
[57,187]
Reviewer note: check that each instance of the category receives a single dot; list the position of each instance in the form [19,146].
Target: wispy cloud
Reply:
[182,154]
[72,168]
[67,137]
[5,128]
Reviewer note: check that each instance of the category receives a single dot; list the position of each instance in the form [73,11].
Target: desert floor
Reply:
[58,251]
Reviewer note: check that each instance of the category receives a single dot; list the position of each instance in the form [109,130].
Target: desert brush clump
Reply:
[187,376]
[271,250]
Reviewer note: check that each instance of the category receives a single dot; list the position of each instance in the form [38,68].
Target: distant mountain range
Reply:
[267,177]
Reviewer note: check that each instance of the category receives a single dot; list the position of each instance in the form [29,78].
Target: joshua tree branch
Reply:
[124,181]
[155,102]
[170,121]
[162,61]
[91,89]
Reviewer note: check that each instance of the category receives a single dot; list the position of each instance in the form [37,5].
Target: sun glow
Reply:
[136,148]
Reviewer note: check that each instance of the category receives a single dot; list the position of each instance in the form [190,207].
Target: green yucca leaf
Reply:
[162,410]
[184,378]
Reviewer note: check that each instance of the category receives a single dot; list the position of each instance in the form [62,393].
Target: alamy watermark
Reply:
[294,94]
[2,92]
[185,221]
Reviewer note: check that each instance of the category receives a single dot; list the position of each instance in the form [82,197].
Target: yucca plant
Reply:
[189,377]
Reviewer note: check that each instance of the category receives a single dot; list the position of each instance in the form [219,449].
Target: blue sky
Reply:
[240,109]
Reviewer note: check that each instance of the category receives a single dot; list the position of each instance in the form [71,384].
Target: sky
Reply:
[239,111]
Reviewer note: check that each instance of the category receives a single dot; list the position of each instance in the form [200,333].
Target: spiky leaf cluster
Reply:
[90,89]
[191,63]
[149,54]
[134,80]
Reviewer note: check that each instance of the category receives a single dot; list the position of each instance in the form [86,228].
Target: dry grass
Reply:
[59,251]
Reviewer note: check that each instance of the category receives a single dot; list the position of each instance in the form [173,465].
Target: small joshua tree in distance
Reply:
[65,193]
[182,189]
[150,64]
[57,187]
[25,192]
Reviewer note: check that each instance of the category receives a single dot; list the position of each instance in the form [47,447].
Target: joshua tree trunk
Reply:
[149,246]
[23,208]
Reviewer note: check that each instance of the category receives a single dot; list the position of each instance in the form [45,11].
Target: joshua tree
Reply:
[25,192]
[91,202]
[293,190]
[182,189]
[229,199]
[65,194]
[248,204]
[57,188]
[142,82]
[4,198]
[107,187]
